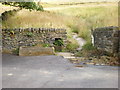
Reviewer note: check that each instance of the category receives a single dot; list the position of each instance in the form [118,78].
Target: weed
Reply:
[46,45]
[71,47]
[58,42]
[16,51]
[30,34]
[88,46]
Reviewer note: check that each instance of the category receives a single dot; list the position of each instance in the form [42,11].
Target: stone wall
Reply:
[107,39]
[12,39]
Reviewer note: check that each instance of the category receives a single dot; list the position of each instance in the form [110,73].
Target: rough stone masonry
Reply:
[13,39]
[107,39]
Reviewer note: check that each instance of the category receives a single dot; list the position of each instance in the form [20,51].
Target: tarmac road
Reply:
[54,72]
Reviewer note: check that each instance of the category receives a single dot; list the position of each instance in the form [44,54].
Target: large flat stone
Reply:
[36,51]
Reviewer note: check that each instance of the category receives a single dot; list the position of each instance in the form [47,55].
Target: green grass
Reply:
[88,46]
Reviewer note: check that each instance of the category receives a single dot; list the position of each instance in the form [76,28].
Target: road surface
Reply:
[54,72]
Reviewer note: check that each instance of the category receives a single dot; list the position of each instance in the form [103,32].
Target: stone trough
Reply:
[36,51]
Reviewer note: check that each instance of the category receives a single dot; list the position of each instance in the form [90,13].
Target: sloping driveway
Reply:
[54,72]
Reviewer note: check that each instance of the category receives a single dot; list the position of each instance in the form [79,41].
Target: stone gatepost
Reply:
[107,39]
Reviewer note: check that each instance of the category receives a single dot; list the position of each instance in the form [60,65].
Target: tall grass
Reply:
[72,45]
[25,19]
[88,18]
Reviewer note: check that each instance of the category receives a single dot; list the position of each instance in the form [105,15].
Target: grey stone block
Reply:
[36,51]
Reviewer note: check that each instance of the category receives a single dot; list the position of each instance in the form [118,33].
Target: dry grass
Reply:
[25,19]
[4,8]
[91,17]
[81,17]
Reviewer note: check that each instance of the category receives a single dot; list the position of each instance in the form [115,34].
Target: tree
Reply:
[26,5]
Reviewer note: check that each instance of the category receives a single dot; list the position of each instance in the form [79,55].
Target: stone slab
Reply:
[36,51]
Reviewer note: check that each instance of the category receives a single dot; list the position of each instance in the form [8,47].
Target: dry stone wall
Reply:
[107,39]
[12,39]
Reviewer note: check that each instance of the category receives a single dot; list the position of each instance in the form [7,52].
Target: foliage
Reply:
[58,42]
[16,51]
[26,5]
[46,45]
[12,32]
[88,46]
[71,47]
[30,34]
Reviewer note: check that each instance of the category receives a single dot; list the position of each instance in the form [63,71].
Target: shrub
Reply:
[58,42]
[16,51]
[71,46]
[27,5]
[30,34]
[46,45]
[88,46]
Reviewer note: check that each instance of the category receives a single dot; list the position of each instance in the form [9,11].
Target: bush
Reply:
[16,51]
[58,42]
[46,45]
[88,46]
[27,5]
[71,46]
[30,34]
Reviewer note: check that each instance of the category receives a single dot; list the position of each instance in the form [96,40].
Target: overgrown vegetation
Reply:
[88,46]
[16,51]
[58,42]
[29,34]
[72,44]
[71,47]
[25,5]
[80,20]
[46,45]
